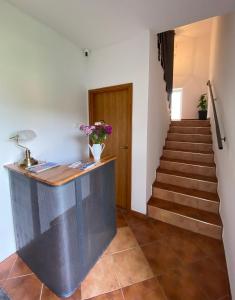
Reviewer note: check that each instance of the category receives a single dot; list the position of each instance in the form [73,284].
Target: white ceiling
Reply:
[98,23]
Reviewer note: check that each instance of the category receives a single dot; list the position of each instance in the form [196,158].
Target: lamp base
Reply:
[28,160]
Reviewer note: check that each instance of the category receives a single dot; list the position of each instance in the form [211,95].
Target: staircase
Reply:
[185,191]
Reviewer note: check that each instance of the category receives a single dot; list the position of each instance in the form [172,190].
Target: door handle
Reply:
[123,147]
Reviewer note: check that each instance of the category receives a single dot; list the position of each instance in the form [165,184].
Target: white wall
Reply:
[158,114]
[42,87]
[191,66]
[136,61]
[223,79]
[124,63]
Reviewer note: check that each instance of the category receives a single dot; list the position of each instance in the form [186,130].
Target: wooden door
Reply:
[113,105]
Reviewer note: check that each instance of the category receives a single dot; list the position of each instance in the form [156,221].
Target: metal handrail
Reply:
[217,128]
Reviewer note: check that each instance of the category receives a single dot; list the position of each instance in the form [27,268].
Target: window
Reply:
[176,104]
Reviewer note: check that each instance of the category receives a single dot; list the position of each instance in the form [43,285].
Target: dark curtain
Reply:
[166,57]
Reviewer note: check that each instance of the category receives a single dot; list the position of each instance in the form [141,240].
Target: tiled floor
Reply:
[147,260]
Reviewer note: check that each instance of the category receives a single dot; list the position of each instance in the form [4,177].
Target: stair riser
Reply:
[187,168]
[190,183]
[188,146]
[189,156]
[188,130]
[191,123]
[186,200]
[181,221]
[196,138]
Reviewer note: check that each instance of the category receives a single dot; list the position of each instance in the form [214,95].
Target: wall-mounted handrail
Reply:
[217,128]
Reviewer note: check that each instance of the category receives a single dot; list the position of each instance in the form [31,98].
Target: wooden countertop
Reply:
[58,175]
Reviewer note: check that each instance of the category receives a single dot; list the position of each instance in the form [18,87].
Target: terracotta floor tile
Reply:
[76,296]
[209,245]
[186,250]
[121,210]
[145,232]
[226,298]
[180,285]
[213,248]
[220,260]
[123,240]
[131,267]
[189,267]
[101,279]
[132,218]
[19,269]
[47,294]
[152,230]
[148,290]
[120,220]
[168,230]
[161,257]
[6,266]
[2,283]
[116,295]
[211,278]
[23,288]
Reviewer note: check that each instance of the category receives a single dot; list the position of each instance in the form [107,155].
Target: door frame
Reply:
[129,88]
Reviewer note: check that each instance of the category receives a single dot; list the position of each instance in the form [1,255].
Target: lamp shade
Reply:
[24,135]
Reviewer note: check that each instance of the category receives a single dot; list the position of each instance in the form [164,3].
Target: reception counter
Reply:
[64,219]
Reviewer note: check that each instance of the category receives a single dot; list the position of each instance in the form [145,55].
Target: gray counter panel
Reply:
[62,231]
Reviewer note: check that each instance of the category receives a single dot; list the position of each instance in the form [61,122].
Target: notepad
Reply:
[42,167]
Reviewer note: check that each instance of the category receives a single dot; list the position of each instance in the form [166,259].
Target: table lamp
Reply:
[24,136]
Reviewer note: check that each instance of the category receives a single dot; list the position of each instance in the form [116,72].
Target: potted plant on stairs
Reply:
[202,105]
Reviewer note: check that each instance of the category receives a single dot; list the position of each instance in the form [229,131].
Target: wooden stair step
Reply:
[192,176]
[190,137]
[185,129]
[197,156]
[189,218]
[186,211]
[187,180]
[186,166]
[186,142]
[190,146]
[189,151]
[189,162]
[209,135]
[191,123]
[190,192]
[186,196]
[190,212]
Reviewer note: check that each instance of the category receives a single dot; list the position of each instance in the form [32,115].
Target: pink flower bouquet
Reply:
[98,132]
